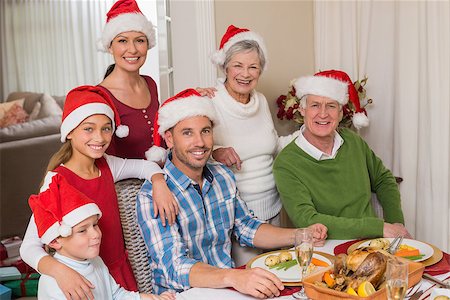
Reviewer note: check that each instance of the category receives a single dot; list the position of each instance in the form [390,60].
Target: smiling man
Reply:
[196,250]
[327,175]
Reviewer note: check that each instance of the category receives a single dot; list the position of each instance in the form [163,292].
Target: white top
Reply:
[249,129]
[93,270]
[31,250]
[313,151]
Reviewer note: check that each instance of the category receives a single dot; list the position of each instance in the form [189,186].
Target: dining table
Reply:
[424,285]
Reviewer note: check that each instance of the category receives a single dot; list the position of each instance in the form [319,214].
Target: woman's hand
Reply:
[73,285]
[164,203]
[228,157]
[209,92]
[319,234]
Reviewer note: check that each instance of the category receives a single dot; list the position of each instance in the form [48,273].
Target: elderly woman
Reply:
[245,138]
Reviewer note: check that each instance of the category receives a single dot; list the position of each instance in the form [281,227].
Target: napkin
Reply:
[442,267]
[288,290]
[342,248]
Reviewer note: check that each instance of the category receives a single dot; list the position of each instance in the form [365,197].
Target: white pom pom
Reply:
[64,230]
[100,46]
[218,57]
[122,131]
[156,154]
[360,120]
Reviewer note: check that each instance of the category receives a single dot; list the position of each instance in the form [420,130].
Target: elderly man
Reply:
[196,250]
[327,174]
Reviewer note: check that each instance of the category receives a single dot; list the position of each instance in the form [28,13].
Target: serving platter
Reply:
[432,254]
[292,276]
[318,292]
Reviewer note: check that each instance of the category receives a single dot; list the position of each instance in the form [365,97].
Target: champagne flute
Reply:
[396,279]
[304,251]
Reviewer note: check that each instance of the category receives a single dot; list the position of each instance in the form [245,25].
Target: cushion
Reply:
[35,112]
[49,107]
[4,107]
[40,127]
[60,100]
[30,99]
[15,115]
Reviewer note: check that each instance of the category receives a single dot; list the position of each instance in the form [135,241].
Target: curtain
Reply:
[404,49]
[50,45]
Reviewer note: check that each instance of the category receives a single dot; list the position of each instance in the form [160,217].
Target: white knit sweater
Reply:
[249,129]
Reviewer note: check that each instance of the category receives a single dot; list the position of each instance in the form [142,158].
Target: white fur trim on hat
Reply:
[72,120]
[218,57]
[70,220]
[360,120]
[156,154]
[122,131]
[322,86]
[175,111]
[127,22]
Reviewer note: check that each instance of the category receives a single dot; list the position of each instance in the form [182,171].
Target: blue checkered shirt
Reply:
[202,232]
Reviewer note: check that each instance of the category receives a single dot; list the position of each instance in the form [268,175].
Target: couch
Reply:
[25,150]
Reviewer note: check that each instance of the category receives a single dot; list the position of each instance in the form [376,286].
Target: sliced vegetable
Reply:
[284,265]
[328,279]
[319,263]
[414,257]
[406,252]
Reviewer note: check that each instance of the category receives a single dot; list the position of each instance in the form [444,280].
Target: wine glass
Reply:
[304,251]
[396,279]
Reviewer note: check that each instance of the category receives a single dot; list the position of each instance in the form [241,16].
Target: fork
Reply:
[395,244]
[413,290]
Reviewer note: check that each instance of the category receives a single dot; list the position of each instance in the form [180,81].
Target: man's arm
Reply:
[165,246]
[269,237]
[256,282]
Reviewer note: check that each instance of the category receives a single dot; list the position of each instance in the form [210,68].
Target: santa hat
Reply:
[232,36]
[124,16]
[85,101]
[186,104]
[336,85]
[59,208]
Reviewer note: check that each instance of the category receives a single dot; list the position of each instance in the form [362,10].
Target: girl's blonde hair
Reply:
[60,157]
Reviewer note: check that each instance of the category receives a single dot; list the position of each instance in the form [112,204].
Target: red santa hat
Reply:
[59,208]
[85,101]
[232,36]
[186,104]
[124,16]
[336,85]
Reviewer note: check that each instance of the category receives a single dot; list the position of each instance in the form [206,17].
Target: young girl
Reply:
[88,122]
[67,221]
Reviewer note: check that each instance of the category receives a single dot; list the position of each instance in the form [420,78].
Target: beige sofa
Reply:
[25,150]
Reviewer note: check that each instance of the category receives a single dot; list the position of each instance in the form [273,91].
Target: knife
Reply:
[416,296]
[435,280]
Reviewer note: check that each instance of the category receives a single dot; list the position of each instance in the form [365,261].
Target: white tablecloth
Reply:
[227,294]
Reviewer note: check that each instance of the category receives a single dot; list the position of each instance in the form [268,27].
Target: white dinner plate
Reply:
[439,292]
[424,249]
[292,274]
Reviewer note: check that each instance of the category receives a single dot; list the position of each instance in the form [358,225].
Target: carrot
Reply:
[318,262]
[405,252]
[328,279]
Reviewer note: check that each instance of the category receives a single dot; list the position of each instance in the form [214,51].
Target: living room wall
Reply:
[287,29]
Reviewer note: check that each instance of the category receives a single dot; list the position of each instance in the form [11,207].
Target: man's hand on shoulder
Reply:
[320,234]
[256,282]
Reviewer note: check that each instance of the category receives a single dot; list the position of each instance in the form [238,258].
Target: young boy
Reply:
[67,221]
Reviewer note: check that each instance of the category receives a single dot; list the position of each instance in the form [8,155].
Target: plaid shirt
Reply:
[202,232]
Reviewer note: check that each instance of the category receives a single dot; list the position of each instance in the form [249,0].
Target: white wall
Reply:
[151,66]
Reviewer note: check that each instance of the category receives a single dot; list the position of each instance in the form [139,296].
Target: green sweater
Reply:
[337,192]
